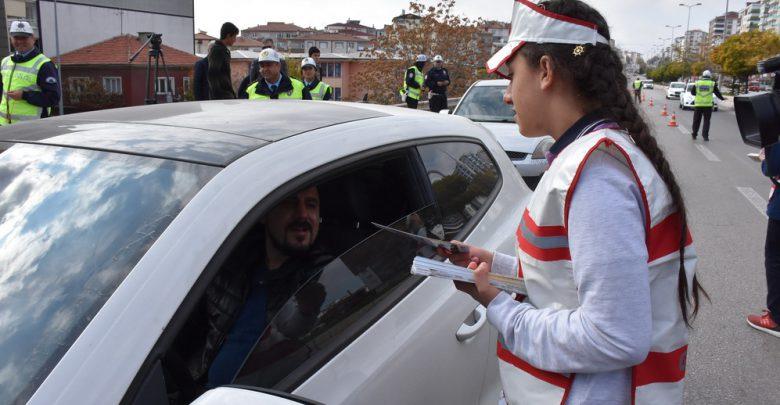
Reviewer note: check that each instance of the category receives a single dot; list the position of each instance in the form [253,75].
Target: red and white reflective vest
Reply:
[546,267]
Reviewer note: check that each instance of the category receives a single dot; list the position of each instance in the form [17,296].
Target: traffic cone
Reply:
[643,97]
[665,112]
[673,121]
[651,102]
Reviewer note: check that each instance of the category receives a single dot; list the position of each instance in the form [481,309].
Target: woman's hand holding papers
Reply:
[479,261]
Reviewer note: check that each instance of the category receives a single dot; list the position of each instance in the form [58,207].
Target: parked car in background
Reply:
[483,103]
[116,224]
[687,99]
[647,84]
[674,90]
[754,86]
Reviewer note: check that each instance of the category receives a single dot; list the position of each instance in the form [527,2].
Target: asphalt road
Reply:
[725,194]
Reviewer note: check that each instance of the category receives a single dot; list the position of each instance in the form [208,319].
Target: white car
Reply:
[687,99]
[115,223]
[483,103]
[674,90]
[647,84]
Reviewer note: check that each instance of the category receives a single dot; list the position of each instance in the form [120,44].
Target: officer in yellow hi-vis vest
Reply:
[273,84]
[319,90]
[704,90]
[638,90]
[30,81]
[413,83]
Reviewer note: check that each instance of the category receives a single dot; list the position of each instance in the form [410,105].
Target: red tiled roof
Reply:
[243,42]
[329,37]
[118,50]
[203,36]
[275,27]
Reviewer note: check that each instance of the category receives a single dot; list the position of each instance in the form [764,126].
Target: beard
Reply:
[293,249]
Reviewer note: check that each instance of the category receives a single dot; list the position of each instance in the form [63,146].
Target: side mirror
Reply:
[240,395]
[444,112]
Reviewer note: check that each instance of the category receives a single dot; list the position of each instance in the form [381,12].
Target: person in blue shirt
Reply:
[769,320]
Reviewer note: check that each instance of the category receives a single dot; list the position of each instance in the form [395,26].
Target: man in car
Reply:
[704,90]
[255,284]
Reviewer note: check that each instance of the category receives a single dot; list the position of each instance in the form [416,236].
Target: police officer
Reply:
[319,90]
[414,82]
[29,79]
[638,90]
[703,90]
[273,84]
[437,81]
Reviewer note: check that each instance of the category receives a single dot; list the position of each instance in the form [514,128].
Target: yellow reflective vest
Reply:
[411,92]
[319,91]
[20,77]
[296,93]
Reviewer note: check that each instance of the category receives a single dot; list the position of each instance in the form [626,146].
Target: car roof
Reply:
[211,132]
[492,82]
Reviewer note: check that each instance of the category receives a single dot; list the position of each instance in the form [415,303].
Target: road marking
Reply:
[707,153]
[755,199]
[683,130]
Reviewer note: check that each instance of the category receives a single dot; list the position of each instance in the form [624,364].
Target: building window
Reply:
[76,85]
[185,81]
[337,93]
[331,69]
[338,46]
[165,86]
[112,85]
[324,46]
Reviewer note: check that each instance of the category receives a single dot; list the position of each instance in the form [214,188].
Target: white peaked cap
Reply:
[532,23]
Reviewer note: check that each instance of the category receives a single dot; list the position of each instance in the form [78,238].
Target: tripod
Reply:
[156,53]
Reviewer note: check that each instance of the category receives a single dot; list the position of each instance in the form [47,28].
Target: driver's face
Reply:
[293,225]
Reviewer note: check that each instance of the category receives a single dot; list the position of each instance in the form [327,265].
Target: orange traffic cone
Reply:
[643,97]
[651,102]
[673,121]
[665,112]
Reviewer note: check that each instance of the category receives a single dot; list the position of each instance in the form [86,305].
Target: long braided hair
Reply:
[598,78]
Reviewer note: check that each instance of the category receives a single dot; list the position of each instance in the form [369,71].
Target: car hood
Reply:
[510,138]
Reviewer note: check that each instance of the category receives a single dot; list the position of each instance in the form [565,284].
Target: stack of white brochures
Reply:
[434,268]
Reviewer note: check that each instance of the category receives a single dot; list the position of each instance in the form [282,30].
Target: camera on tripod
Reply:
[154,41]
[758,115]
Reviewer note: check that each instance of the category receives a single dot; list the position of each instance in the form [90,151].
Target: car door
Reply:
[434,345]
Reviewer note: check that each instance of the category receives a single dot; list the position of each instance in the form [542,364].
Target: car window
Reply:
[73,223]
[336,305]
[677,85]
[333,276]
[463,177]
[486,104]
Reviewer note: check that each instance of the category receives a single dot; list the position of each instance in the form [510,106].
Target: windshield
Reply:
[73,223]
[688,88]
[486,104]
[648,81]
[677,85]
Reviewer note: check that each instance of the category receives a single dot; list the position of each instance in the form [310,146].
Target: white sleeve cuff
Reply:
[504,265]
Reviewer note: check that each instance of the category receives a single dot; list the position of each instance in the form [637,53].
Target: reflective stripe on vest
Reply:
[319,92]
[420,79]
[546,267]
[20,77]
[295,94]
[704,93]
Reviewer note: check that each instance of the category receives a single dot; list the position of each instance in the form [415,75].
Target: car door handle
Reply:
[471,326]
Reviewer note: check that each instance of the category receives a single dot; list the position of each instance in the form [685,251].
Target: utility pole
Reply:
[688,26]
[673,27]
[59,62]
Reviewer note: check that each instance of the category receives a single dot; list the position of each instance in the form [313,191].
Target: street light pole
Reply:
[688,26]
[673,27]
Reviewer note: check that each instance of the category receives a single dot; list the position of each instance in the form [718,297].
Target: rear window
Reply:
[73,223]
[677,85]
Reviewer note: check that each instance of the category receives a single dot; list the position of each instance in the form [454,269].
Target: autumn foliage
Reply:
[739,54]
[463,43]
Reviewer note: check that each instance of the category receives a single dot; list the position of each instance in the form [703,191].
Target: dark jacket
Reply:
[285,85]
[771,168]
[437,75]
[328,94]
[220,82]
[254,73]
[201,86]
[227,293]
[47,80]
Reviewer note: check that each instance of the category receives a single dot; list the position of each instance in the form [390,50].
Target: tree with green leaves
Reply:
[739,55]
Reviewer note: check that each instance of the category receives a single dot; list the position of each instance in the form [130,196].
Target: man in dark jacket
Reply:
[243,298]
[437,80]
[254,74]
[220,82]
[201,88]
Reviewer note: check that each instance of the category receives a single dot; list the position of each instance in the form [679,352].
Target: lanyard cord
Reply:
[7,99]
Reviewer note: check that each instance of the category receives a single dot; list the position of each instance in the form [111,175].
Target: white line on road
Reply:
[683,130]
[754,199]
[707,153]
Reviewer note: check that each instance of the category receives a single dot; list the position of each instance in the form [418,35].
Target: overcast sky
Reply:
[635,24]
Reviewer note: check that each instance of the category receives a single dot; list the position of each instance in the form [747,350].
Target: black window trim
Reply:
[189,303]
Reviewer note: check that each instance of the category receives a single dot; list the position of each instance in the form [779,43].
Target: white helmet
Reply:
[422,58]
[706,73]
[438,58]
[308,62]
[21,28]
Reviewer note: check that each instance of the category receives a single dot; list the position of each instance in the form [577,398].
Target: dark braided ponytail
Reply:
[597,75]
